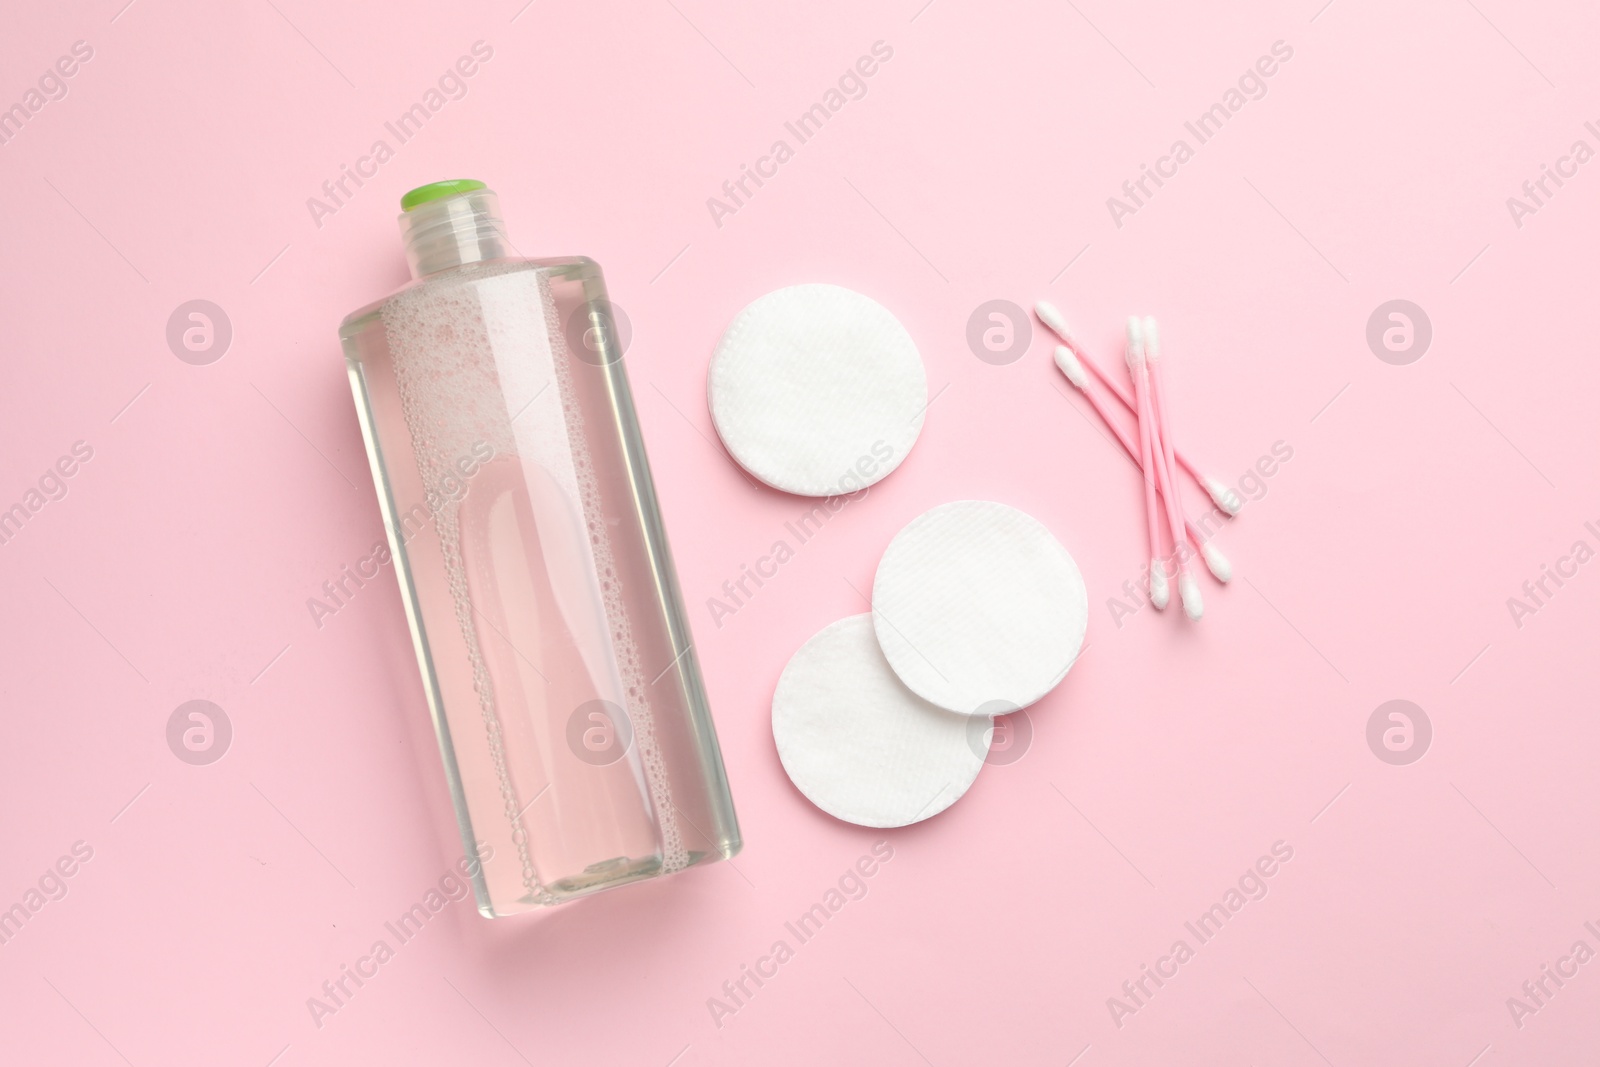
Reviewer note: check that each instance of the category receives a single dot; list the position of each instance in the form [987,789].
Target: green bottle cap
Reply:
[422,194]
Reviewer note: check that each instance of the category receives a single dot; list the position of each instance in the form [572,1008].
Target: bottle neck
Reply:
[453,231]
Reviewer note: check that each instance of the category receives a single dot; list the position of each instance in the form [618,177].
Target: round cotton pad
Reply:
[817,390]
[858,743]
[976,603]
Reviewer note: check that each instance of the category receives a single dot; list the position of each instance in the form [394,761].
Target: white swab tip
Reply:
[1051,317]
[1135,341]
[1216,562]
[1071,367]
[1159,594]
[1189,590]
[1223,497]
[1152,338]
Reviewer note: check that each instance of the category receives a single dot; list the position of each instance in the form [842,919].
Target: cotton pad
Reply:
[858,743]
[817,390]
[975,602]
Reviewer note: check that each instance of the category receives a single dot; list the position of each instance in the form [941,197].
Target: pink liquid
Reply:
[542,632]
[534,570]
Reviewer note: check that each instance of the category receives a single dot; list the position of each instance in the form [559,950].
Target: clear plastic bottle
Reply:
[525,533]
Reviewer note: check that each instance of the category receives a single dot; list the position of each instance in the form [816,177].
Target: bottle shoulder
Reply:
[558,267]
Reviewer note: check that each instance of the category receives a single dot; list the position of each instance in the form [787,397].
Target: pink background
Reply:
[1377,565]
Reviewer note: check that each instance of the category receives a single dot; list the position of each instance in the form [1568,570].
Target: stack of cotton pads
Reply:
[885,719]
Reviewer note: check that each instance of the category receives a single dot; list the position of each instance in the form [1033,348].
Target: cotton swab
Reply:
[1216,562]
[1224,497]
[1147,461]
[1188,589]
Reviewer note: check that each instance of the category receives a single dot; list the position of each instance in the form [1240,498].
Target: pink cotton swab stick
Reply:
[1147,461]
[1220,494]
[1216,562]
[1188,589]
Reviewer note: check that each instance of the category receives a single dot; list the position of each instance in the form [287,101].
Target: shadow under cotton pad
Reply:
[978,608]
[859,744]
[817,390]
